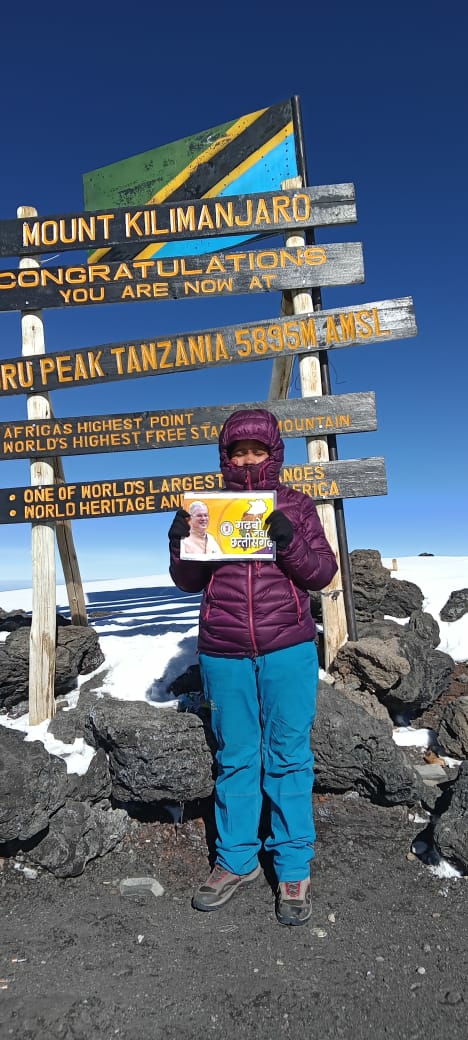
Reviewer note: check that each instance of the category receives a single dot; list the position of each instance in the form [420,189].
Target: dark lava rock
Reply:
[402,689]
[93,786]
[401,598]
[70,723]
[453,730]
[155,754]
[10,620]
[451,828]
[33,786]
[355,751]
[424,626]
[77,653]
[456,606]
[370,580]
[78,833]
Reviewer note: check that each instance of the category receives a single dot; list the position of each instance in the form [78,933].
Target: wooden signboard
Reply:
[350,478]
[89,434]
[259,213]
[186,352]
[183,277]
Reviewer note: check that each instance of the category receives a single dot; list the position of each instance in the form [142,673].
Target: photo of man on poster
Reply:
[199,542]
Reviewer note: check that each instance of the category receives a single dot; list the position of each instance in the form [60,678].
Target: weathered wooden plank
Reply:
[69,559]
[260,213]
[350,478]
[43,571]
[90,434]
[311,382]
[215,274]
[187,351]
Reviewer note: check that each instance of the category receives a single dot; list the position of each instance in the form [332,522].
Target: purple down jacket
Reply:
[249,609]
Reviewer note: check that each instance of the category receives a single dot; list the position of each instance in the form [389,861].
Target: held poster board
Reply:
[228,526]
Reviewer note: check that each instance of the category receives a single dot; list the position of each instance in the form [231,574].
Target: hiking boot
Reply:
[219,887]
[293,904]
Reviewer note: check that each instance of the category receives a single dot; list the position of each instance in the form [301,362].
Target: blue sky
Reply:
[384,95]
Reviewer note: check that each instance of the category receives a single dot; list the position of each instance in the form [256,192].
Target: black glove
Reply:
[179,527]
[279,528]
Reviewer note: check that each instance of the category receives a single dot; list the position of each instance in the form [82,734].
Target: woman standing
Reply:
[259,666]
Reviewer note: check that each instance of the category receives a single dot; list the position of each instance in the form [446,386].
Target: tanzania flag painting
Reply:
[254,153]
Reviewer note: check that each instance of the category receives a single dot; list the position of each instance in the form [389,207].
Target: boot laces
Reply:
[292,889]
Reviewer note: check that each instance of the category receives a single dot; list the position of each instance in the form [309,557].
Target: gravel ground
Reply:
[384,955]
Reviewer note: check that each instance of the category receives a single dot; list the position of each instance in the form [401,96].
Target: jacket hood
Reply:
[251,424]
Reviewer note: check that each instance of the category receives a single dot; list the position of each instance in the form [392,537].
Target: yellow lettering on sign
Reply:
[378,330]
[101,271]
[67,230]
[244,222]
[181,354]
[262,215]
[281,205]
[123,271]
[64,369]
[165,361]
[308,332]
[9,376]
[224,213]
[348,327]
[364,326]
[132,225]
[186,220]
[315,256]
[81,372]
[7,280]
[221,350]
[171,502]
[205,219]
[94,360]
[133,361]
[215,264]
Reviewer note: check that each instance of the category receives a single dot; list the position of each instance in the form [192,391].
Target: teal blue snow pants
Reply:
[262,712]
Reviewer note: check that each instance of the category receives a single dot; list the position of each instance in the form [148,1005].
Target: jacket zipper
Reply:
[296,597]
[208,590]
[250,608]
[249,588]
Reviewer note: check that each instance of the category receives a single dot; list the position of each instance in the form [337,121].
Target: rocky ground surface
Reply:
[385,954]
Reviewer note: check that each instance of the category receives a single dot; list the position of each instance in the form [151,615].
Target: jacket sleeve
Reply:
[188,575]
[308,560]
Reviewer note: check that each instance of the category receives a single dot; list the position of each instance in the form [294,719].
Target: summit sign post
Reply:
[182,233]
[215,274]
[255,214]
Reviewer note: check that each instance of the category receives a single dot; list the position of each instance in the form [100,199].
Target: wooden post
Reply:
[333,608]
[69,559]
[44,622]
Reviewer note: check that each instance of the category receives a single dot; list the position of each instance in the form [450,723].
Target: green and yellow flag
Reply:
[254,153]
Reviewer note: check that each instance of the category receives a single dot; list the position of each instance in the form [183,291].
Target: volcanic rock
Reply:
[456,606]
[453,730]
[33,786]
[451,828]
[155,754]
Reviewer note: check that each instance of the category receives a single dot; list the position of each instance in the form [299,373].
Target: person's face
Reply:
[248,453]
[199,519]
